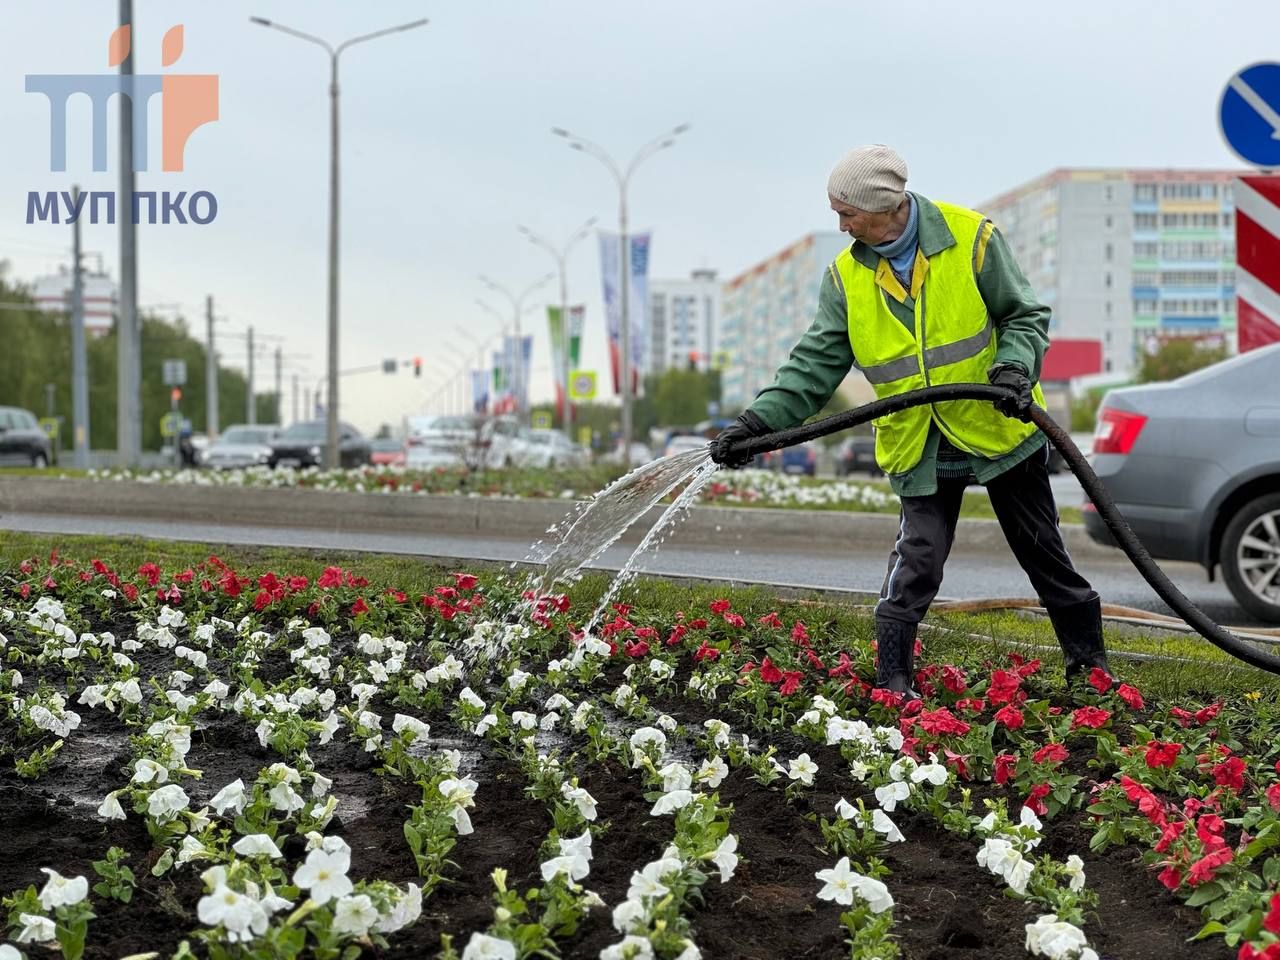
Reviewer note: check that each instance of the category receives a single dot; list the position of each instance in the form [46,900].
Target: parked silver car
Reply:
[239,446]
[1194,466]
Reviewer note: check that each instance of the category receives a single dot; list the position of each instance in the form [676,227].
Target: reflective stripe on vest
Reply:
[953,341]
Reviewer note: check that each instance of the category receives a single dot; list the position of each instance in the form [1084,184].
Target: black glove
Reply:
[748,425]
[1018,404]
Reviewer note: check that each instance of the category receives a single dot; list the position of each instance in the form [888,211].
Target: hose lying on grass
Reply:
[1124,536]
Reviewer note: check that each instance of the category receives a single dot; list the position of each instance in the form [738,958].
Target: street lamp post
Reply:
[517,307]
[561,255]
[623,177]
[331,406]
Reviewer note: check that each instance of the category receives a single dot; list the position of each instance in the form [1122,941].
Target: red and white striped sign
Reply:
[1257,262]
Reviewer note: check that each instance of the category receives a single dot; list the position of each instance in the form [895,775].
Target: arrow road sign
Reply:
[1249,114]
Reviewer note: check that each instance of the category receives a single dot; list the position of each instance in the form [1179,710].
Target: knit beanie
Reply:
[872,178]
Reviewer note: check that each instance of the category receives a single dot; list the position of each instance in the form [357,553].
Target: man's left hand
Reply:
[1018,404]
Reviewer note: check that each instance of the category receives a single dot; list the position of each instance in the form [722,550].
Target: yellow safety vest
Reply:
[953,342]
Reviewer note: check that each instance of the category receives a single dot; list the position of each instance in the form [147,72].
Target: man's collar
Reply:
[934,235]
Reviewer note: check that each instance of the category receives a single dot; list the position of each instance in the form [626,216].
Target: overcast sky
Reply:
[446,143]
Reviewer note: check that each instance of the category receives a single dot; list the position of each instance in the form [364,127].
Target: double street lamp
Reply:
[561,255]
[517,308]
[331,405]
[623,178]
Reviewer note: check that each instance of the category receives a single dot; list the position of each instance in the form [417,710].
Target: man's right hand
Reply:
[748,425]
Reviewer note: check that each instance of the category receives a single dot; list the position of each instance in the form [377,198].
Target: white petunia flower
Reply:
[629,915]
[1057,940]
[110,808]
[726,858]
[324,875]
[889,795]
[581,799]
[1074,869]
[632,947]
[403,722]
[36,929]
[354,915]
[675,776]
[481,946]
[60,891]
[671,802]
[167,802]
[239,914]
[712,772]
[802,769]
[231,796]
[257,845]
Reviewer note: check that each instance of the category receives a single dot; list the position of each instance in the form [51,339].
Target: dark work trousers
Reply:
[1024,505]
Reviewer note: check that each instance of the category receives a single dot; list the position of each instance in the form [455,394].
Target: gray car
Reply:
[239,446]
[1194,466]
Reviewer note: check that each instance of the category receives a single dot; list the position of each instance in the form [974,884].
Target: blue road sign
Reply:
[1249,114]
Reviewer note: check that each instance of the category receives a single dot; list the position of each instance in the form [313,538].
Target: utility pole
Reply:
[128,341]
[279,388]
[295,399]
[210,375]
[79,367]
[251,408]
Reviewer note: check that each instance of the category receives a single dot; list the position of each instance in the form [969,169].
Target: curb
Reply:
[457,515]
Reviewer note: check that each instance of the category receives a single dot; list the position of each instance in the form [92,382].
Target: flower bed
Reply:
[739,488]
[304,761]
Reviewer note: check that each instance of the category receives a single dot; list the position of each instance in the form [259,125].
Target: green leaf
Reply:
[1210,929]
[1207,893]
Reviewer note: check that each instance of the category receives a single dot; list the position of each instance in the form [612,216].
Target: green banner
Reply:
[555,323]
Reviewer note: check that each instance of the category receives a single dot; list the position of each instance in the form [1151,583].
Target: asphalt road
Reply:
[848,566]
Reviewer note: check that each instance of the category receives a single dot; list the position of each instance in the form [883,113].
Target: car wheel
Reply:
[39,461]
[1250,557]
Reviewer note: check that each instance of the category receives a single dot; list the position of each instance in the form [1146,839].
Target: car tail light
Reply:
[1117,431]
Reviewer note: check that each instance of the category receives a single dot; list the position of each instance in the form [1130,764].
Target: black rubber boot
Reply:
[1079,630]
[895,657]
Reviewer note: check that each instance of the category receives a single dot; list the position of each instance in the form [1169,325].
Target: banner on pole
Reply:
[637,300]
[480,390]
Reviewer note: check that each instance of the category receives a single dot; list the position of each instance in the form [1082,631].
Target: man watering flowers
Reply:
[929,293]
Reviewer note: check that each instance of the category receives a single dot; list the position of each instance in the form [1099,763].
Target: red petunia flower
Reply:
[941,721]
[953,679]
[957,762]
[262,600]
[677,634]
[1171,877]
[1005,764]
[799,633]
[1004,687]
[1010,716]
[150,572]
[720,606]
[1050,753]
[636,648]
[1271,922]
[186,576]
[843,668]
[1203,870]
[733,620]
[790,682]
[706,652]
[1171,833]
[973,704]
[769,673]
[1091,717]
[698,624]
[1206,714]
[1273,796]
[465,581]
[332,577]
[359,607]
[1130,696]
[1162,754]
[770,620]
[886,697]
[1230,774]
[1100,680]
[1035,799]
[130,591]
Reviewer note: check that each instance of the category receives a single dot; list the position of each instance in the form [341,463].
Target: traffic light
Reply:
[175,395]
[417,366]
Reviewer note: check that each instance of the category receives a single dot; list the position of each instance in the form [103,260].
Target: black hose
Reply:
[1124,536]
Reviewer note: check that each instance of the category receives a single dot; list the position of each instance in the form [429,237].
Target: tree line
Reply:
[38,352]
